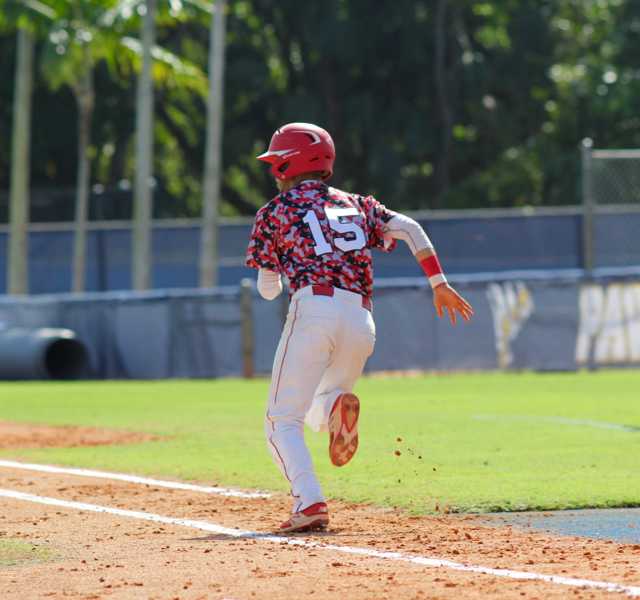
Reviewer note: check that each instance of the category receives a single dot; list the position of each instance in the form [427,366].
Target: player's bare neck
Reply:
[284,185]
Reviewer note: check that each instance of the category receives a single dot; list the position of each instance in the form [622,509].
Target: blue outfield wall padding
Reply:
[617,240]
[175,262]
[50,264]
[4,251]
[466,245]
[108,260]
[538,242]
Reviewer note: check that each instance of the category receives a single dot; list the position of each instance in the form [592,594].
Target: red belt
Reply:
[328,290]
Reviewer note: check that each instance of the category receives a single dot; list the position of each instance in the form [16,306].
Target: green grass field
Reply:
[472,442]
[17,552]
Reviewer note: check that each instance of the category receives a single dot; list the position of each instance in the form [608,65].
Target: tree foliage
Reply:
[439,103]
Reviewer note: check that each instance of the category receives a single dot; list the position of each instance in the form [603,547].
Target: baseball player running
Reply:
[320,238]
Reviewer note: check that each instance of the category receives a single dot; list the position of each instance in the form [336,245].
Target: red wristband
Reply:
[431,266]
[433,270]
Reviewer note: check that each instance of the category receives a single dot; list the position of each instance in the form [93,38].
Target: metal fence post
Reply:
[18,246]
[248,339]
[588,206]
[141,242]
[213,152]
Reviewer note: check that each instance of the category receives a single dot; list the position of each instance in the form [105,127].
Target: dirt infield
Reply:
[117,556]
[26,435]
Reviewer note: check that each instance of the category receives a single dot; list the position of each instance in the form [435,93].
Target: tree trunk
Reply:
[18,276]
[444,110]
[213,153]
[85,101]
[142,210]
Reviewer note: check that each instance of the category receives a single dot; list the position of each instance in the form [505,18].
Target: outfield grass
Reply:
[17,552]
[469,442]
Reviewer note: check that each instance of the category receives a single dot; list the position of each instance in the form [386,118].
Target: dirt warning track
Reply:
[119,539]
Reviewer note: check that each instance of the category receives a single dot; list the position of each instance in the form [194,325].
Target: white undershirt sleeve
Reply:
[409,231]
[269,284]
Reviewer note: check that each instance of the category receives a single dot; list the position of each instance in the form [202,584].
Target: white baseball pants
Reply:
[324,346]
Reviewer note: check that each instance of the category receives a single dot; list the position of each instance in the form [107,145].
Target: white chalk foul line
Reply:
[632,591]
[559,421]
[174,485]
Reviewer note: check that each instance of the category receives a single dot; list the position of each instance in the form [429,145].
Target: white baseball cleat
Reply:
[313,517]
[343,429]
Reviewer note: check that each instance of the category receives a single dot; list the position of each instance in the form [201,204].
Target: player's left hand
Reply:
[445,297]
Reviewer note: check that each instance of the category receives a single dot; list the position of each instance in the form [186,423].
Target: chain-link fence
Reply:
[611,197]
[615,177]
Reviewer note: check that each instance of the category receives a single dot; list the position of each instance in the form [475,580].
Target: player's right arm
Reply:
[269,284]
[401,227]
[262,254]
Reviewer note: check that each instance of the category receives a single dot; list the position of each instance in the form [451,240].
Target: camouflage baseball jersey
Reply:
[316,234]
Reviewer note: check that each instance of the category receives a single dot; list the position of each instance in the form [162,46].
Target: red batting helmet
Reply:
[299,148]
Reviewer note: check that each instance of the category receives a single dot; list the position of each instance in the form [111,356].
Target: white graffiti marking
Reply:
[511,306]
[609,328]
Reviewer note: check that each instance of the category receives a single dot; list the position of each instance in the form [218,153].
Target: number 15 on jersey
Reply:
[352,236]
